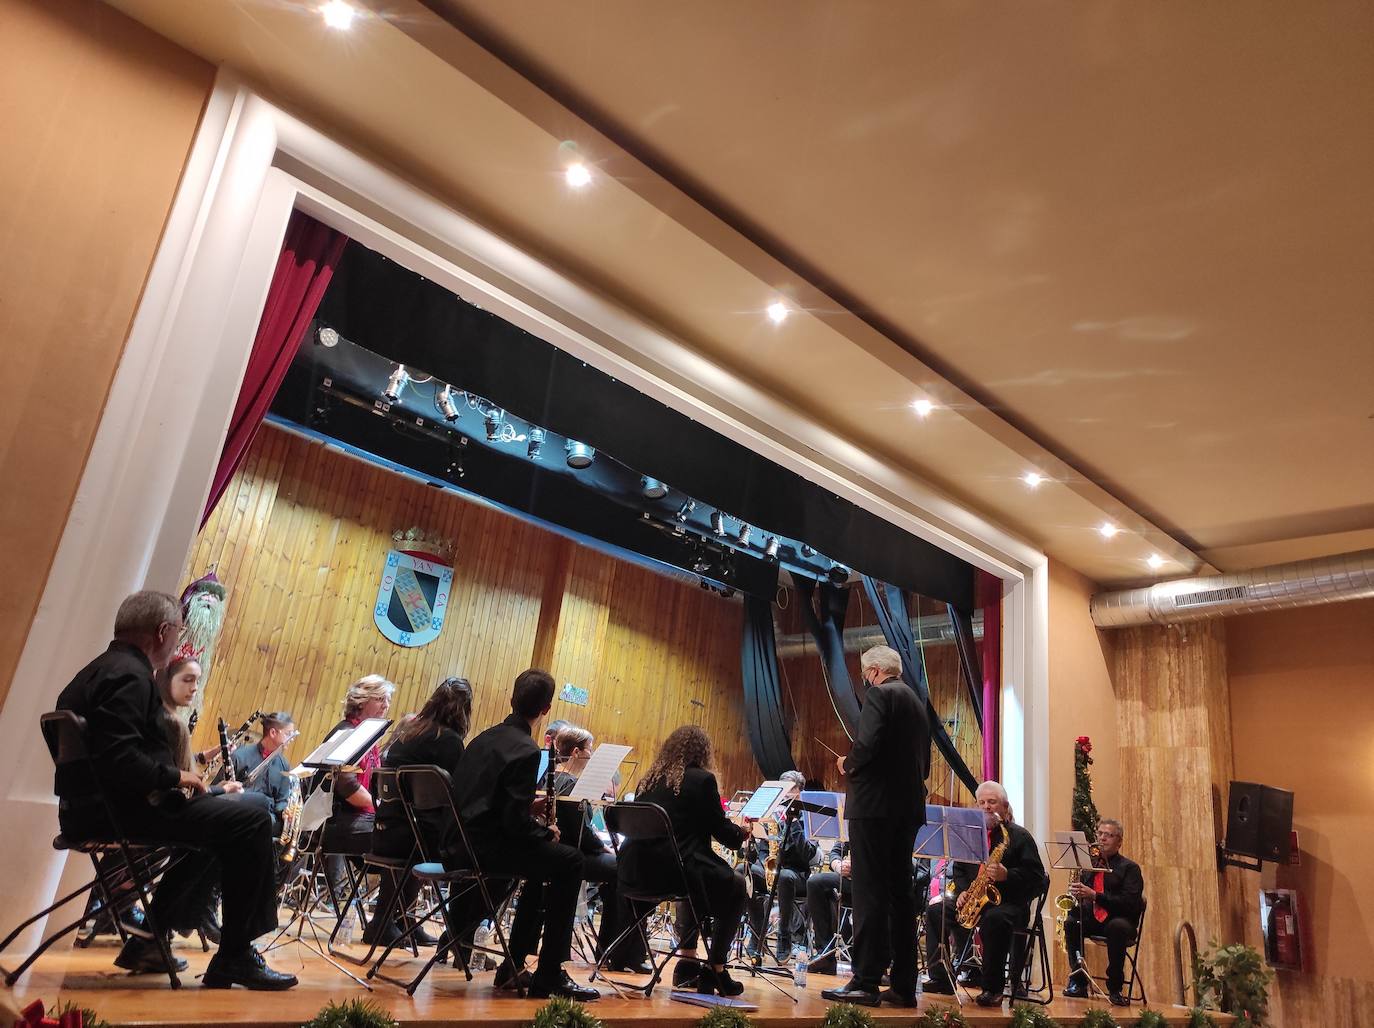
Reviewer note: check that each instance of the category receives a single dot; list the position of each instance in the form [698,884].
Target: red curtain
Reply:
[308,257]
[990,600]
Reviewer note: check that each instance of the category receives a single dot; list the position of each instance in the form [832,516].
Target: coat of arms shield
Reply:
[412,597]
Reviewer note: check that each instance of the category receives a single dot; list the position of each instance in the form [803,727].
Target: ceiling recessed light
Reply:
[777,312]
[1108,529]
[338,15]
[578,175]
[1033,479]
[1155,561]
[922,407]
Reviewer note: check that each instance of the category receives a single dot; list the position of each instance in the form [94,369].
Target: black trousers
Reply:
[995,927]
[1117,932]
[758,908]
[942,925]
[345,836]
[720,894]
[599,868]
[555,872]
[884,902]
[823,892]
[237,840]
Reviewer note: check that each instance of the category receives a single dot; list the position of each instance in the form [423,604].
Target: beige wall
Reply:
[1302,718]
[98,114]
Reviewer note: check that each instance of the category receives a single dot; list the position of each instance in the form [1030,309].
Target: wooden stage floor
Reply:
[89,978]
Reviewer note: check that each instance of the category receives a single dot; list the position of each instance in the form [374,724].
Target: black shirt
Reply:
[495,783]
[442,748]
[1026,878]
[124,732]
[1123,890]
[697,817]
[888,762]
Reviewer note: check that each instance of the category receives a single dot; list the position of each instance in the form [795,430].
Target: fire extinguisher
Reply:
[1284,948]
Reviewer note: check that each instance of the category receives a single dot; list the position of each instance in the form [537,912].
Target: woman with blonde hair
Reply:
[349,828]
[681,781]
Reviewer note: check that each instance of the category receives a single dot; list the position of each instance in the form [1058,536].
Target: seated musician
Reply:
[681,781]
[825,890]
[573,747]
[794,858]
[263,768]
[349,828]
[125,735]
[1110,905]
[505,824]
[435,737]
[1020,878]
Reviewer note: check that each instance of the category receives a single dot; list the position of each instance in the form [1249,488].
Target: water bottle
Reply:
[482,938]
[349,928]
[799,962]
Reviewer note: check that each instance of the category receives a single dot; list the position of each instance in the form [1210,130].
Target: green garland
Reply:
[1099,1018]
[564,1013]
[1199,1018]
[1026,1016]
[1083,817]
[941,1017]
[355,1013]
[726,1017]
[847,1015]
[1151,1019]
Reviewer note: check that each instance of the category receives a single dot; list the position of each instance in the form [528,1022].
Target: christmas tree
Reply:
[1084,815]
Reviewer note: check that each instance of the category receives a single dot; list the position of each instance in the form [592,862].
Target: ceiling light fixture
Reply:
[1107,529]
[770,548]
[580,455]
[744,533]
[777,312]
[717,522]
[1155,561]
[536,443]
[652,488]
[578,175]
[328,337]
[446,404]
[922,407]
[338,15]
[1033,479]
[493,417]
[394,384]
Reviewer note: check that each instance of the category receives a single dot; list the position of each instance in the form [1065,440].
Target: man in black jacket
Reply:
[132,758]
[795,855]
[1110,905]
[495,796]
[1020,879]
[886,803]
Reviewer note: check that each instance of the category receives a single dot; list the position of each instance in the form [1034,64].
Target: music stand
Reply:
[958,834]
[1071,851]
[340,752]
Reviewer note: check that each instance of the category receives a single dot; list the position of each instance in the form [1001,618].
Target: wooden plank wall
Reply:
[812,715]
[299,540]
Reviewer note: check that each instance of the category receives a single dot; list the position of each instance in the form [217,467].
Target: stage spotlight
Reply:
[718,522]
[807,551]
[686,509]
[536,443]
[838,574]
[744,533]
[727,592]
[770,548]
[395,384]
[580,455]
[328,337]
[652,488]
[446,404]
[494,417]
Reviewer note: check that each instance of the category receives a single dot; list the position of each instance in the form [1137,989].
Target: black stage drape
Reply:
[890,606]
[968,658]
[762,694]
[826,625]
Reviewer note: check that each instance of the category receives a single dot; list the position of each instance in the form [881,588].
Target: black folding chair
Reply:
[125,870]
[1029,948]
[426,793]
[647,824]
[1134,984]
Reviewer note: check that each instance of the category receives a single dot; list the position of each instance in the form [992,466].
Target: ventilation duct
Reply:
[932,629]
[1304,583]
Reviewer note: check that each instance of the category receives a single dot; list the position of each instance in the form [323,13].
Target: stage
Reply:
[88,978]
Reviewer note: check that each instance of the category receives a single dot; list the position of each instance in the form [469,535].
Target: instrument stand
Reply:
[1070,851]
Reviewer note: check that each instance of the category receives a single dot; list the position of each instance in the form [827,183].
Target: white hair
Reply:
[143,613]
[369,687]
[884,658]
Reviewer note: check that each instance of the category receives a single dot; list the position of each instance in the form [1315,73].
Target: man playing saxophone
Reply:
[1019,877]
[1109,905]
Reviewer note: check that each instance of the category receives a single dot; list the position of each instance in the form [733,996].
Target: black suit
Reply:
[1026,882]
[886,803]
[129,748]
[1122,896]
[495,790]
[697,817]
[823,890]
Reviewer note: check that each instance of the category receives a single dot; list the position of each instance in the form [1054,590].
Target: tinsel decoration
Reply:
[202,612]
[1084,815]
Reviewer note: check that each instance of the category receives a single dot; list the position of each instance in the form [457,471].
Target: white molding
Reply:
[138,504]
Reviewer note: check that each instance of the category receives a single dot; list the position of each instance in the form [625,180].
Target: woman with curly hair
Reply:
[681,781]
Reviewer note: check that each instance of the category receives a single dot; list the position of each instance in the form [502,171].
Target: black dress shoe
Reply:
[894,998]
[630,967]
[717,983]
[247,969]
[381,934]
[142,956]
[823,965]
[988,999]
[1119,1000]
[563,987]
[509,980]
[853,993]
[1076,988]
[938,986]
[422,938]
[686,974]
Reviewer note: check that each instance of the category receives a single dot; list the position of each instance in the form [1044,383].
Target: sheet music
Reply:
[597,777]
[317,755]
[354,743]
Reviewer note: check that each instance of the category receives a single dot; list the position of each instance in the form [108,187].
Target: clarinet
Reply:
[224,751]
[549,797]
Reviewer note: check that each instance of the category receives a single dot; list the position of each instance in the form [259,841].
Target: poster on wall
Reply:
[412,597]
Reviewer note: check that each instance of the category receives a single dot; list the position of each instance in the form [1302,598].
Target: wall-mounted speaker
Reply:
[1259,821]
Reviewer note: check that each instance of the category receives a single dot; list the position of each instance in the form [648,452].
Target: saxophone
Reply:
[291,823]
[1065,902]
[982,891]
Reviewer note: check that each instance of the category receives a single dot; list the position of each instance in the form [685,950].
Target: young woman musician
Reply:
[682,782]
